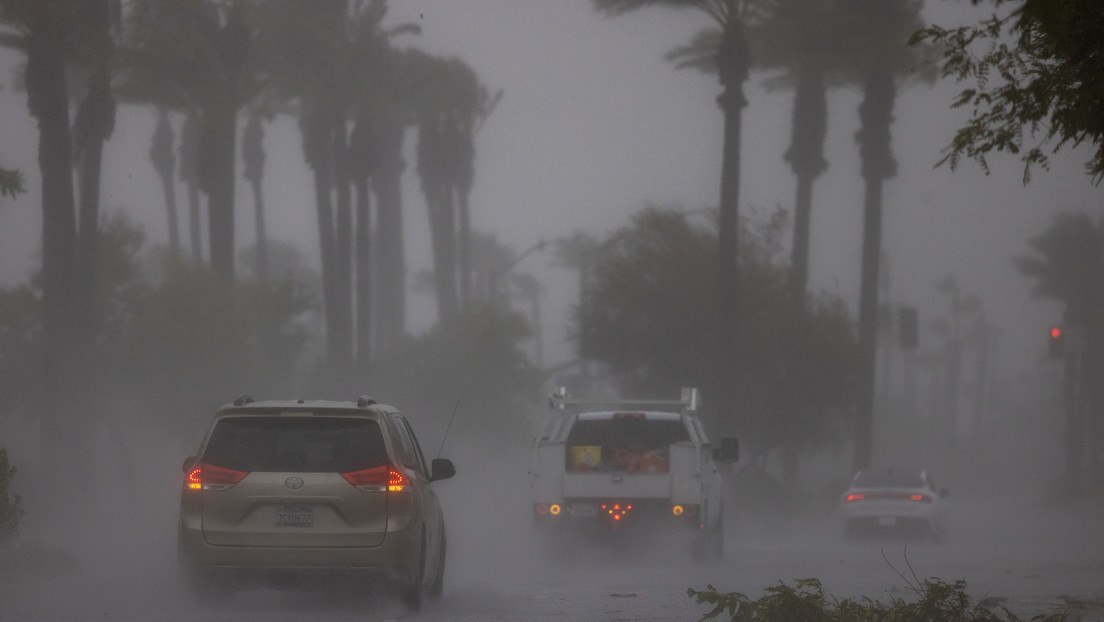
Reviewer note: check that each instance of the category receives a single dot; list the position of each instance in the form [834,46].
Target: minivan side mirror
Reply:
[729,451]
[189,462]
[442,468]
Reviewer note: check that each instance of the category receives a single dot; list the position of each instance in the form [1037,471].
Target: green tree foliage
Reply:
[732,58]
[805,600]
[647,314]
[195,330]
[11,515]
[11,183]
[178,343]
[475,366]
[1037,72]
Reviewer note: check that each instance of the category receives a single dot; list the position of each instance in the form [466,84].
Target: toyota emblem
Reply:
[294,483]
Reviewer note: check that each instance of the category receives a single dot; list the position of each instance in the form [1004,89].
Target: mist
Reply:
[593,125]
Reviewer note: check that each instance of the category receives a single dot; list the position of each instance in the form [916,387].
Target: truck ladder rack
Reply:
[689,401]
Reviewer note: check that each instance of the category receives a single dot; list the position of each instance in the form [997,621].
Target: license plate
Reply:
[295,516]
[584,510]
[887,521]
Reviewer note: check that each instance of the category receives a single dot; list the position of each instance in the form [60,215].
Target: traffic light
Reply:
[1057,342]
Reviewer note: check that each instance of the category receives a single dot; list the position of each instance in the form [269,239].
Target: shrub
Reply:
[10,512]
[938,600]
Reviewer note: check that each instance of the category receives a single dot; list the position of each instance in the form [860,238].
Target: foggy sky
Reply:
[593,124]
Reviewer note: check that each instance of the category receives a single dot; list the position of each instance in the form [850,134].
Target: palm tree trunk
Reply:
[363,275]
[217,151]
[48,101]
[464,255]
[806,158]
[732,63]
[343,240]
[876,115]
[259,224]
[161,154]
[390,261]
[189,173]
[253,159]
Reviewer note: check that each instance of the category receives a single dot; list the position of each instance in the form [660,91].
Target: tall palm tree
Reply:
[189,55]
[92,126]
[41,31]
[880,55]
[802,39]
[732,60]
[304,52]
[375,164]
[452,105]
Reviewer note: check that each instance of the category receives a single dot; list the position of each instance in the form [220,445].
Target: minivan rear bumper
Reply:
[399,555]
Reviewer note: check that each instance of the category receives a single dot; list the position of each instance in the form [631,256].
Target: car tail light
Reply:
[211,477]
[858,496]
[384,478]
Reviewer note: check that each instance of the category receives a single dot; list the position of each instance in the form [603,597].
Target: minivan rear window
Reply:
[302,444]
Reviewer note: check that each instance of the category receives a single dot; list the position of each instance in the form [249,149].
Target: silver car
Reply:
[893,500]
[286,493]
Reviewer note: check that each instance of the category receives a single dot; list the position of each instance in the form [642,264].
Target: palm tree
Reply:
[92,126]
[452,105]
[189,55]
[41,30]
[802,38]
[304,53]
[732,60]
[879,53]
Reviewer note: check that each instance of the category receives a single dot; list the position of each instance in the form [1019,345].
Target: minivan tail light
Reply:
[209,477]
[384,478]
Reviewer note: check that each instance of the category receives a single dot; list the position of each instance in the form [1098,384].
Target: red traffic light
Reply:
[1057,342]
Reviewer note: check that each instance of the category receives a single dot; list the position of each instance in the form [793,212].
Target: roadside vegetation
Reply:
[805,600]
[15,557]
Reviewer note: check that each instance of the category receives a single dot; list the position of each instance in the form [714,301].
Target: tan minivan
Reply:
[283,493]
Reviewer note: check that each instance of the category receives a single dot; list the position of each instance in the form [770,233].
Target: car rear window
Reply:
[304,444]
[889,479]
[633,433]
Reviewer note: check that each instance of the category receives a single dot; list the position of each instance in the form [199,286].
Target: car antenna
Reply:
[449,427]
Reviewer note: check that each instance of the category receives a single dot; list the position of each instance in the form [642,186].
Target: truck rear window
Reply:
[622,444]
[303,444]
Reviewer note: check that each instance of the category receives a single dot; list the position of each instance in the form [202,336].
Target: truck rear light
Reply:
[616,511]
[555,509]
[385,478]
[209,477]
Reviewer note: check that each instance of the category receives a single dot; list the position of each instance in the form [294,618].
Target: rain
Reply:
[583,135]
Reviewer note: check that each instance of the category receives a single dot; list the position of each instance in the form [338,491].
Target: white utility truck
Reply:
[616,464]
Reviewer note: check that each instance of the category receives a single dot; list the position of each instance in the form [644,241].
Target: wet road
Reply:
[1019,553]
